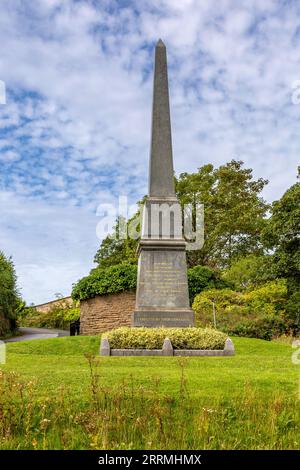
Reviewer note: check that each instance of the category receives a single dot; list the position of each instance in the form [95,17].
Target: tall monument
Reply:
[162,297]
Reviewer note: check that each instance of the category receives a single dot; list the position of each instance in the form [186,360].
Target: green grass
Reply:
[55,362]
[246,401]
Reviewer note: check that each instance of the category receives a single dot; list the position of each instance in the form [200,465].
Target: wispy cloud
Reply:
[76,125]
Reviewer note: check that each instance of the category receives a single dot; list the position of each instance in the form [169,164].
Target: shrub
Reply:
[153,338]
[293,304]
[8,296]
[58,317]
[249,271]
[109,280]
[258,313]
[266,327]
[203,277]
[221,297]
[270,297]
[229,307]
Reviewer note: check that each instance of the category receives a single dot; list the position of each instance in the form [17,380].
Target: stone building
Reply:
[47,306]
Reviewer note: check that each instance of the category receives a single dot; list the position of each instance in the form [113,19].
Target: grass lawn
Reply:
[266,366]
[250,400]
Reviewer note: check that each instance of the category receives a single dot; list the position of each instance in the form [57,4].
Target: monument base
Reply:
[164,318]
[162,290]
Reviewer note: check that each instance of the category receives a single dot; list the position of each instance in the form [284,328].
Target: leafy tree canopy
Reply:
[234,217]
[282,236]
[8,295]
[115,249]
[282,233]
[234,211]
[249,271]
[203,277]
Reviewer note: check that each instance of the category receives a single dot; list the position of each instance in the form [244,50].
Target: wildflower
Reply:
[45,421]
[209,410]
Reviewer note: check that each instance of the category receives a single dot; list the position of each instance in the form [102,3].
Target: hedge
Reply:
[258,313]
[153,338]
[110,280]
[267,327]
[203,277]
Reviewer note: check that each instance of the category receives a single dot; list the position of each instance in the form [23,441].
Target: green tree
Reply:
[249,271]
[234,211]
[115,249]
[203,277]
[9,299]
[282,236]
[234,217]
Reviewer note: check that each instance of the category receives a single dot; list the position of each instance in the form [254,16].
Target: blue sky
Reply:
[75,129]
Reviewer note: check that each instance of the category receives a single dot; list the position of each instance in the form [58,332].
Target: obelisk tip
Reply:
[160,43]
[161,181]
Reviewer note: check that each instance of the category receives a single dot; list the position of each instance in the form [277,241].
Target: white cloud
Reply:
[9,156]
[2,92]
[52,245]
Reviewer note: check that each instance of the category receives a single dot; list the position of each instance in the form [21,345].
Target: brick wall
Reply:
[105,312]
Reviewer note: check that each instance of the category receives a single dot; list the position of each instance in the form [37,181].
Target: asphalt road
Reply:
[37,333]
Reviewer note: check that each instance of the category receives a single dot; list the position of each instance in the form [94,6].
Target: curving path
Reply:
[37,333]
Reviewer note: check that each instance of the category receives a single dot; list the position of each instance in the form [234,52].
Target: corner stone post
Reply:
[167,349]
[104,347]
[229,348]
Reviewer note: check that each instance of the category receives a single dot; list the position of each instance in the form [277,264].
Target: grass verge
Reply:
[55,395]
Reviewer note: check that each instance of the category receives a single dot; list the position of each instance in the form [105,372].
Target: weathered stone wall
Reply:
[105,312]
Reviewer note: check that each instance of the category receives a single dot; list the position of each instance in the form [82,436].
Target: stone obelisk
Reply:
[162,297]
